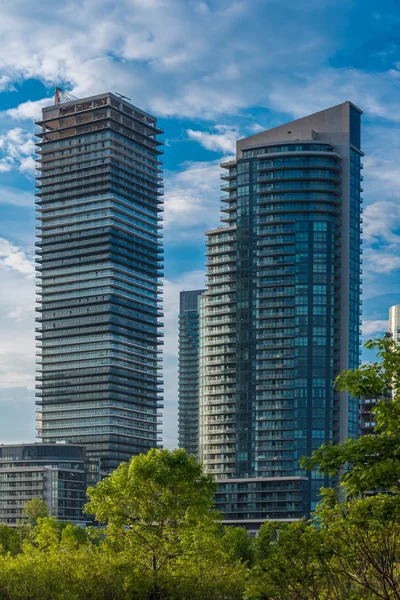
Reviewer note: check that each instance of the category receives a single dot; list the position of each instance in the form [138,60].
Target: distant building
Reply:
[394,322]
[281,314]
[188,399]
[58,474]
[99,266]
[367,417]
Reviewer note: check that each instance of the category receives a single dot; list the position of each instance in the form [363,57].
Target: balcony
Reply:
[226,187]
[231,206]
[232,173]
[227,300]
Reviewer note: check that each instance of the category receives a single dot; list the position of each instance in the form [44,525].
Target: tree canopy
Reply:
[372,461]
[35,509]
[159,510]
[163,540]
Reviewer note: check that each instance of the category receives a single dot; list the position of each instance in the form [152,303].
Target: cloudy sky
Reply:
[211,72]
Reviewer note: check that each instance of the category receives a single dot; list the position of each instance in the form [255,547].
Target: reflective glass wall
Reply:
[283,284]
[188,398]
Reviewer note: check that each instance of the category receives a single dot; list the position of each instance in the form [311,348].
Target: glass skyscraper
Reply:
[281,315]
[188,401]
[99,260]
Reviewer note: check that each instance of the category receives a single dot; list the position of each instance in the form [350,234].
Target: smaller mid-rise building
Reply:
[189,339]
[58,474]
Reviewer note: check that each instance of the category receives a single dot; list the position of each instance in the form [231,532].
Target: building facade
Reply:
[99,260]
[58,474]
[394,322]
[188,392]
[367,417]
[281,314]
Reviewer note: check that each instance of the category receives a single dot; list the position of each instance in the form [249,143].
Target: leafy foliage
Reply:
[295,565]
[238,544]
[159,513]
[163,540]
[364,540]
[372,461]
[35,509]
[10,540]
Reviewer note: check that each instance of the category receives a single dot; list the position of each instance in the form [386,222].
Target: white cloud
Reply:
[4,166]
[17,142]
[17,348]
[6,84]
[382,172]
[375,93]
[6,247]
[382,210]
[28,110]
[16,150]
[374,327]
[192,201]
[256,128]
[224,140]
[123,47]
[381,221]
[187,58]
[10,195]
[17,302]
[382,260]
[27,165]
[12,257]
[19,262]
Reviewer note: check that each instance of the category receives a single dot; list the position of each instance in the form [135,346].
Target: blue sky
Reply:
[212,72]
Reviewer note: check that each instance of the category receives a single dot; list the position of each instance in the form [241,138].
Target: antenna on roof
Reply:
[121,96]
[60,94]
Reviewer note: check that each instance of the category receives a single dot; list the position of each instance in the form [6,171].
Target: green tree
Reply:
[296,563]
[152,506]
[238,544]
[61,573]
[363,536]
[371,461]
[73,537]
[35,509]
[267,536]
[163,540]
[58,563]
[10,540]
[363,532]
[45,535]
